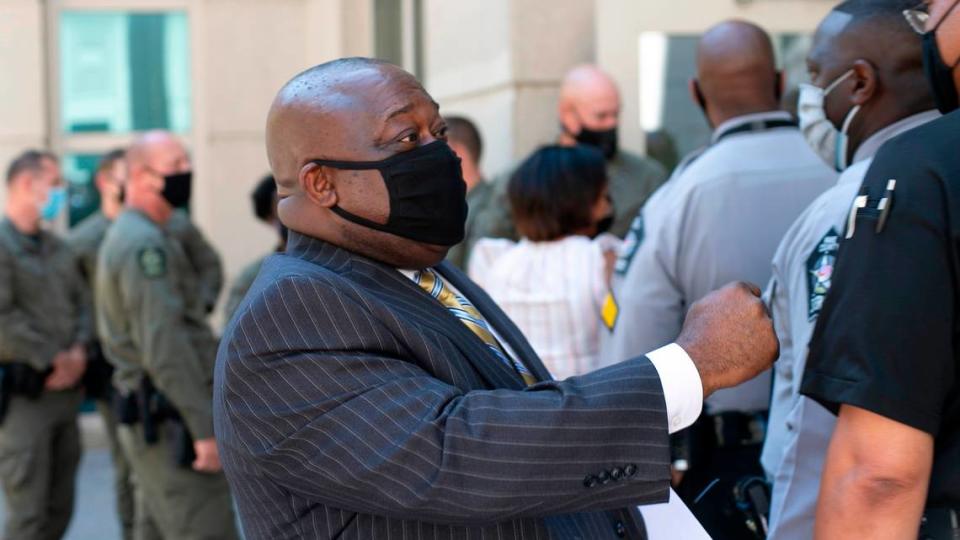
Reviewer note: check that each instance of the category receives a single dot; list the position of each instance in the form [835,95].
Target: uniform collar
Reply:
[873,143]
[738,121]
[31,243]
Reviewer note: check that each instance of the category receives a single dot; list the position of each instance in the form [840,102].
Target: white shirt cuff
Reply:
[682,387]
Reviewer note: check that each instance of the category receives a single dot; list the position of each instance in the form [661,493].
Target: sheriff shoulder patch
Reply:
[630,245]
[820,266]
[153,262]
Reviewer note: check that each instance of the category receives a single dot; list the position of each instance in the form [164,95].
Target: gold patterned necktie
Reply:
[463,310]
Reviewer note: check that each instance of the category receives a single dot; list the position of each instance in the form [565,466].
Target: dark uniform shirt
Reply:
[887,337]
[44,308]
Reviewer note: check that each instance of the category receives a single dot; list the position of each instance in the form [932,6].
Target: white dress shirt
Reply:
[682,387]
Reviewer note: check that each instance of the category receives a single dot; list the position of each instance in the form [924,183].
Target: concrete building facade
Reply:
[497,61]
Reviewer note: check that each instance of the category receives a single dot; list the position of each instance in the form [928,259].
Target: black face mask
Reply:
[604,225]
[427,194]
[939,74]
[177,189]
[605,140]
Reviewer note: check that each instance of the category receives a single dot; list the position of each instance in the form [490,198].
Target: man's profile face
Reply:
[385,113]
[601,112]
[828,60]
[945,18]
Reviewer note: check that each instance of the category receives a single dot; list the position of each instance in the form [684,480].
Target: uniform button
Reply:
[616,473]
[604,477]
[590,481]
[620,529]
[630,469]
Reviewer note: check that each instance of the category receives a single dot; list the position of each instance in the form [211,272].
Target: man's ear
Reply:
[865,82]
[569,120]
[316,182]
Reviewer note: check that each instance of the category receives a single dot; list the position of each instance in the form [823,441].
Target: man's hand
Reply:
[729,336]
[208,458]
[61,377]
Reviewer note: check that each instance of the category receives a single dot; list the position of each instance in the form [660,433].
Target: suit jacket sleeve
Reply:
[318,391]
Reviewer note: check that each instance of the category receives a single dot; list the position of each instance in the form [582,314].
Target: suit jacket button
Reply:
[630,469]
[616,473]
[604,477]
[619,529]
[590,481]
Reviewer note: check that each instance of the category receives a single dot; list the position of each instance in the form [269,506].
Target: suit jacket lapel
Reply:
[499,320]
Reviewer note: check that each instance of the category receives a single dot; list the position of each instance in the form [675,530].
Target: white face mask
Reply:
[826,140]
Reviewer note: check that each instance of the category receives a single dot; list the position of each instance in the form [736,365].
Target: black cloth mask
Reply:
[427,194]
[605,140]
[939,74]
[177,189]
[604,225]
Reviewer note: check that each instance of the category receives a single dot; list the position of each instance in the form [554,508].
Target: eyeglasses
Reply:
[917,17]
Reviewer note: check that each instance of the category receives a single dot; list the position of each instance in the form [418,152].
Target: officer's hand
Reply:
[62,376]
[729,336]
[208,458]
[78,360]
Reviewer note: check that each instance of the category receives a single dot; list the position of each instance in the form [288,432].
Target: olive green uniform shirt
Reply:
[152,318]
[203,258]
[241,284]
[44,306]
[632,180]
[479,200]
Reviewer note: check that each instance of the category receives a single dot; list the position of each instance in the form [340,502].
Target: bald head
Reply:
[315,114]
[736,70]
[353,110]
[156,149]
[589,99]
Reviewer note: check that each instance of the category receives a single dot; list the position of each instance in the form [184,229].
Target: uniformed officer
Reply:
[465,140]
[45,327]
[589,113]
[718,219]
[151,320]
[869,48]
[85,240]
[264,198]
[884,351]
[203,258]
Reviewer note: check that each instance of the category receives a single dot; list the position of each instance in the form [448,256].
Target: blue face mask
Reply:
[55,201]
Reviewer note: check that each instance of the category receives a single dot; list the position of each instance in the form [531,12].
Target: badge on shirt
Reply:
[153,262]
[609,311]
[630,245]
[820,266]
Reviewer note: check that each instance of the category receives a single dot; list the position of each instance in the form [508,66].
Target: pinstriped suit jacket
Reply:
[348,403]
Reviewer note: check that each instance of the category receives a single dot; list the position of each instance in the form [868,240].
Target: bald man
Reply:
[366,388]
[589,113]
[151,320]
[720,218]
[870,49]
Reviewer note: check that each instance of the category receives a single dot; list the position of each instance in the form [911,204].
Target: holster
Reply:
[150,408]
[99,372]
[940,524]
[18,378]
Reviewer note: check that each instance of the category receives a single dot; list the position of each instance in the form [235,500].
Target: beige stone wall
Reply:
[500,63]
[620,22]
[23,119]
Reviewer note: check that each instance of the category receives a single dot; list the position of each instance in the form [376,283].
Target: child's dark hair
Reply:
[553,192]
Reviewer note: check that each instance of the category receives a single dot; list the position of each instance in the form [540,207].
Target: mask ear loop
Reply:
[843,140]
[832,86]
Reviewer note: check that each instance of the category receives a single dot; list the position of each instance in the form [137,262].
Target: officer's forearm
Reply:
[869,489]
